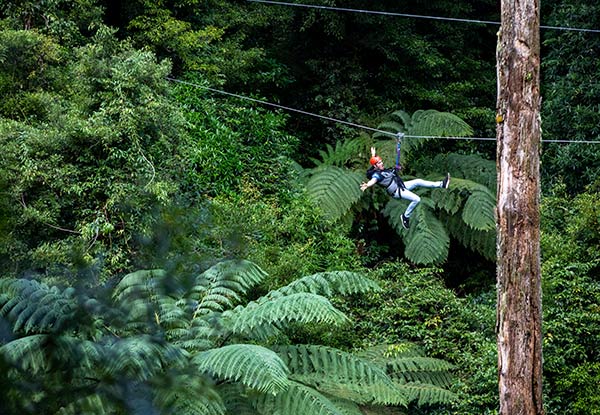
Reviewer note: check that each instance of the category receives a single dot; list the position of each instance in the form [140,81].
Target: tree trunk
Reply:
[519,312]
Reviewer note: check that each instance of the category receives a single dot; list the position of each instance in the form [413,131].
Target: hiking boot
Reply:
[405,222]
[446,181]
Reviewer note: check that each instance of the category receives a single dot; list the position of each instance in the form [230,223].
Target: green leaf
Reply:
[254,366]
[334,190]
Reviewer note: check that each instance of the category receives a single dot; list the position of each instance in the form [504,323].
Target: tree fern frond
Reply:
[188,394]
[334,190]
[297,399]
[299,307]
[220,286]
[344,152]
[254,366]
[392,126]
[141,357]
[420,369]
[237,399]
[483,242]
[326,284]
[88,405]
[27,353]
[142,284]
[345,406]
[426,241]
[429,123]
[470,166]
[426,394]
[479,210]
[34,307]
[346,376]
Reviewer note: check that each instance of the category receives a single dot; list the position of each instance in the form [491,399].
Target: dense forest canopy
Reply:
[166,248]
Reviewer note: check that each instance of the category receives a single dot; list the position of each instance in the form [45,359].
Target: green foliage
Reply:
[85,174]
[570,270]
[334,190]
[570,86]
[471,195]
[133,350]
[232,146]
[416,314]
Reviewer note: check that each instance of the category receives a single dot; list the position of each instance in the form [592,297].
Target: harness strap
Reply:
[399,137]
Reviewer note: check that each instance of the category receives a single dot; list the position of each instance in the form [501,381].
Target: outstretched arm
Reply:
[373,152]
[364,186]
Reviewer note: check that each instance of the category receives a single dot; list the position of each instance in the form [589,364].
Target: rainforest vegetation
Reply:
[175,240]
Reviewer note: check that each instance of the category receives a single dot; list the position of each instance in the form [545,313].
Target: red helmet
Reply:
[374,160]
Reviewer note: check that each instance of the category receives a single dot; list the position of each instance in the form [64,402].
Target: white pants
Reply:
[412,197]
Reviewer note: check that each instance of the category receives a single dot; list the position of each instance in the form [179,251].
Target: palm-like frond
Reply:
[335,190]
[483,242]
[220,287]
[281,311]
[297,399]
[423,379]
[426,241]
[254,366]
[189,394]
[141,357]
[340,374]
[27,353]
[326,284]
[425,124]
[34,307]
[426,394]
[343,153]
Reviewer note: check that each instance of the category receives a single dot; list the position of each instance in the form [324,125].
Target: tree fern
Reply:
[335,190]
[427,241]
[34,307]
[165,339]
[327,284]
[281,311]
[220,287]
[297,399]
[254,366]
[343,153]
[340,374]
[334,186]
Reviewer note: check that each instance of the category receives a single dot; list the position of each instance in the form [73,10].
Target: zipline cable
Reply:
[364,127]
[417,16]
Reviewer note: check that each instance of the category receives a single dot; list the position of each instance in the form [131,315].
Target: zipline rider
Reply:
[395,186]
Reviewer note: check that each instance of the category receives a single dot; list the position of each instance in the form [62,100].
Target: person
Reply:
[396,187]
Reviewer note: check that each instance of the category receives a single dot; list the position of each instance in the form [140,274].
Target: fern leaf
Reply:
[483,242]
[237,399]
[27,353]
[139,284]
[479,210]
[297,399]
[189,394]
[90,404]
[427,241]
[220,286]
[327,284]
[342,154]
[34,307]
[299,307]
[426,394]
[341,374]
[334,190]
[142,357]
[254,366]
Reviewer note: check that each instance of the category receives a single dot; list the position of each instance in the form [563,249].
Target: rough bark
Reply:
[519,313]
